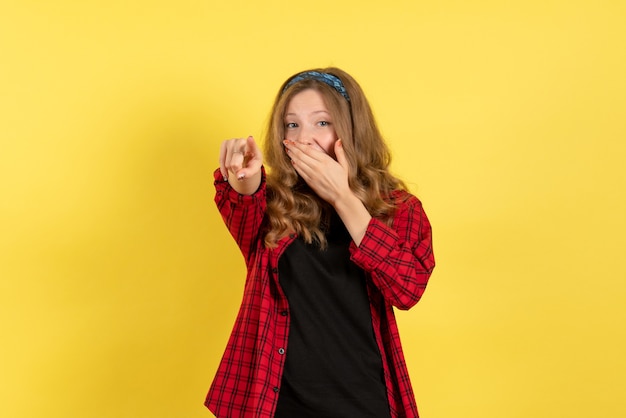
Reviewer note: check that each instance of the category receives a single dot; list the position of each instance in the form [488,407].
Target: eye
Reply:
[323,123]
[291,125]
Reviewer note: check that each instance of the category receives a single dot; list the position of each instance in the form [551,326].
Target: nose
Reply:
[304,135]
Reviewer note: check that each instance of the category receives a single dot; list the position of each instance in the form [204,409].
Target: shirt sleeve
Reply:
[242,214]
[399,259]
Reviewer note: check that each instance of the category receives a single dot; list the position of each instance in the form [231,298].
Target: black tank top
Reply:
[333,367]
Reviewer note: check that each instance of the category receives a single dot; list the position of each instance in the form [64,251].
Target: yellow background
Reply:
[119,283]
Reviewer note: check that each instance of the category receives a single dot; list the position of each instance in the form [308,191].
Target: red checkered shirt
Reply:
[398,261]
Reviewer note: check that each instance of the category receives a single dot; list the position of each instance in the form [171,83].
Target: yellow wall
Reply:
[119,283]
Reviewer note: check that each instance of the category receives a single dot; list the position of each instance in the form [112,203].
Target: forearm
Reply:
[242,214]
[399,259]
[354,215]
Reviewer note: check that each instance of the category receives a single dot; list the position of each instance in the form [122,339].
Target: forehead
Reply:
[306,100]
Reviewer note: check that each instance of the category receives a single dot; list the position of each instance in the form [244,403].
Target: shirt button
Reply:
[292,235]
[274,270]
[283,313]
[275,389]
[281,351]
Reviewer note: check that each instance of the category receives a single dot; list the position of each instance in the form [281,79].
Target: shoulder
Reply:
[403,200]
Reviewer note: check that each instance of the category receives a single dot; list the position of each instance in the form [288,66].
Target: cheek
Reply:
[329,145]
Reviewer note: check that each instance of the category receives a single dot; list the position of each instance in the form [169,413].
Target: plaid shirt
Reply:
[398,261]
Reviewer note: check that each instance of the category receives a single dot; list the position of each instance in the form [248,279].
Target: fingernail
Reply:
[241,176]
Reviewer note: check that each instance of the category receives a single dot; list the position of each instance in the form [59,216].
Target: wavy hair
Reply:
[292,206]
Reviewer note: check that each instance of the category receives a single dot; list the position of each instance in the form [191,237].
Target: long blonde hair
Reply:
[291,204]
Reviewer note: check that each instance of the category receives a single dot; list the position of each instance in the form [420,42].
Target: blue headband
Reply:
[329,79]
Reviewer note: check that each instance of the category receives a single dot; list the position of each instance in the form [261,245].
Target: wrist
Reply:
[345,201]
[245,185]
[354,215]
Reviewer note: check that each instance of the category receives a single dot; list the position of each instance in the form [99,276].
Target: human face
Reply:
[308,121]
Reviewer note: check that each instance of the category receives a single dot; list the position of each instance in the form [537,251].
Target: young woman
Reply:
[332,242]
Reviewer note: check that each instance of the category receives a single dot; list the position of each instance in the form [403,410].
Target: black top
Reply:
[333,366]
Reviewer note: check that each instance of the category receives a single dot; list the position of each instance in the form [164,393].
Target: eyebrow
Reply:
[312,113]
